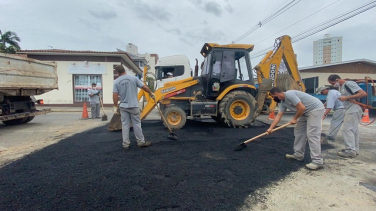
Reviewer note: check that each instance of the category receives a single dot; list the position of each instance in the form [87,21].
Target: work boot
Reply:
[314,166]
[126,147]
[146,144]
[293,156]
[347,154]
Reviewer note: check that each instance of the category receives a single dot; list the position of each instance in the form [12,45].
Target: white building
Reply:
[77,70]
[327,50]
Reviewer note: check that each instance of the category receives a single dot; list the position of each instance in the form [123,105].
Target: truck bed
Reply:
[21,76]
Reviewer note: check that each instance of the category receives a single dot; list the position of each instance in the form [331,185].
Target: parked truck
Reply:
[20,79]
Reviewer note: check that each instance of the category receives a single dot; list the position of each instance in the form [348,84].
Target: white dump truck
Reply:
[20,79]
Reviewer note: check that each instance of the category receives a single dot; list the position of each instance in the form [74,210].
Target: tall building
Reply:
[327,50]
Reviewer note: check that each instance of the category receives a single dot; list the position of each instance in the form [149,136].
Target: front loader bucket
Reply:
[115,123]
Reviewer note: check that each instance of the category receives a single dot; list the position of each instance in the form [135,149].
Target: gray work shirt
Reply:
[126,86]
[95,98]
[332,100]
[293,97]
[349,106]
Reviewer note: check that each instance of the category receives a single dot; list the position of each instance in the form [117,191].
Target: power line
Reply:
[325,25]
[297,22]
[267,19]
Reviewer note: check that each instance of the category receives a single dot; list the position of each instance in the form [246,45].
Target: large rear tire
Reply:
[175,117]
[238,109]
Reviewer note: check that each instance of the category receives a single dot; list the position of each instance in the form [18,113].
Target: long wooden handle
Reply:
[263,134]
[100,98]
[160,112]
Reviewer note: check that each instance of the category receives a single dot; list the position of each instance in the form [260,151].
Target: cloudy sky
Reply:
[172,27]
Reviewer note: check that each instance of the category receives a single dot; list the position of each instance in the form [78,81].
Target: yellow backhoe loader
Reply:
[226,90]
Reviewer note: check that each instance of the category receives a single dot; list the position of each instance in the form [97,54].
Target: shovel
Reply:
[172,135]
[104,116]
[243,145]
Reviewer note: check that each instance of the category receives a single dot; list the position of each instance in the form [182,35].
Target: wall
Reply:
[323,77]
[65,82]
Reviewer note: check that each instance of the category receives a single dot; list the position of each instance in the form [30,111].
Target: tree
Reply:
[9,42]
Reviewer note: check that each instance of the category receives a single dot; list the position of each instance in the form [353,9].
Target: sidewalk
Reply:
[154,115]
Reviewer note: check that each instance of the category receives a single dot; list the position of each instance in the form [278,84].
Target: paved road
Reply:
[200,171]
[88,170]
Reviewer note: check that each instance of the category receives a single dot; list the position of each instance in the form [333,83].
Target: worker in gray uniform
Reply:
[125,90]
[350,91]
[332,103]
[309,112]
[94,101]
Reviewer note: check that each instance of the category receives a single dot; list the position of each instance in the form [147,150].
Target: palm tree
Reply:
[9,42]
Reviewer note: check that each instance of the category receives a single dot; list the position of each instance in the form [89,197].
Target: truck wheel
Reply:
[238,109]
[175,117]
[217,119]
[29,119]
[15,121]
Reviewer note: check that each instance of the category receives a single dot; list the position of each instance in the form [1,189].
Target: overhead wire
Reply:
[327,24]
[267,19]
[298,21]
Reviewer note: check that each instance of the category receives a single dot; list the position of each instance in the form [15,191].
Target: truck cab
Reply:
[177,65]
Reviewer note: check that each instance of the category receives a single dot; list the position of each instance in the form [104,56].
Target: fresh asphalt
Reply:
[200,171]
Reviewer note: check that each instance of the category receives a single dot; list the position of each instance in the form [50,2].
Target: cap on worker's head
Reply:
[169,73]
[93,84]
[320,89]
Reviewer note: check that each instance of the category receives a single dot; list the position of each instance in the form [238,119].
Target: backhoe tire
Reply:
[175,117]
[238,109]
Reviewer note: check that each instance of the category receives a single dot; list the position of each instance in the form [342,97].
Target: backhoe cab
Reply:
[225,90]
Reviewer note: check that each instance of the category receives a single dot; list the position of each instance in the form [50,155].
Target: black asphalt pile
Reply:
[200,171]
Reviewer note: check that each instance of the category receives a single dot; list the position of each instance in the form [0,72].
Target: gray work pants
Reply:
[95,110]
[309,128]
[129,115]
[336,123]
[350,131]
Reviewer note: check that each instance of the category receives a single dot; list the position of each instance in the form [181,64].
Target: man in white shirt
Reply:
[332,103]
[350,91]
[309,111]
[94,101]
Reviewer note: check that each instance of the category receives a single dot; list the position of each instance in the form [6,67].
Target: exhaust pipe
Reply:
[196,68]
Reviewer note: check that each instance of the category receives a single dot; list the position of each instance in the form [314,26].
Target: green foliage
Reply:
[9,42]
[150,83]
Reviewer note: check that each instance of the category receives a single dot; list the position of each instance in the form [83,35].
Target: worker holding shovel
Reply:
[125,91]
[309,112]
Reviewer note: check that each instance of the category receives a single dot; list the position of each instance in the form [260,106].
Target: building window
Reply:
[116,75]
[311,84]
[82,83]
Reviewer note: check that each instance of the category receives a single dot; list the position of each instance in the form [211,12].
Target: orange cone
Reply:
[271,115]
[365,118]
[85,115]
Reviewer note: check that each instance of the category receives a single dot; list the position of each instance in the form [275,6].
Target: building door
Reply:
[82,83]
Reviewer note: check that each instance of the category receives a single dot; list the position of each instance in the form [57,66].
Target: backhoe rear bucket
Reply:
[115,123]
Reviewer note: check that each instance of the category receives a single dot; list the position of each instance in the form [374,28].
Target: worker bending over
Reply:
[332,103]
[353,112]
[309,112]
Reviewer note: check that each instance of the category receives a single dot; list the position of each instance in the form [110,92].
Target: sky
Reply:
[182,27]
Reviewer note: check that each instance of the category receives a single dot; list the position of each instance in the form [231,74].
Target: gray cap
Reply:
[320,89]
